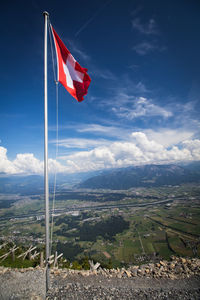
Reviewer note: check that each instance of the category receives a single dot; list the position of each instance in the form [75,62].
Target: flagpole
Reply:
[46,183]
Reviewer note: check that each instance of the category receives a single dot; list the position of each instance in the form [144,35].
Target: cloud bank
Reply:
[138,150]
[26,163]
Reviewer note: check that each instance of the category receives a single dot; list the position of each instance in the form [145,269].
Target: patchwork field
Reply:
[116,235]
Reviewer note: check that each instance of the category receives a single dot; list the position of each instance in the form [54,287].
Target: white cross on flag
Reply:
[70,74]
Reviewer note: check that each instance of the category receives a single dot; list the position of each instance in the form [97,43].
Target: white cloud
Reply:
[56,166]
[144,48]
[123,94]
[27,163]
[193,146]
[145,144]
[141,107]
[187,114]
[6,166]
[102,73]
[138,150]
[168,137]
[149,28]
[76,49]
[92,128]
[141,88]
[127,103]
[108,131]
[81,143]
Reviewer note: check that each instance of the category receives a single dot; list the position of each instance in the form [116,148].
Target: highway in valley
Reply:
[97,207]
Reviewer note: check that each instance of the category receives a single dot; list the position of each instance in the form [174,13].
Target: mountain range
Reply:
[144,176]
[116,179]
[34,184]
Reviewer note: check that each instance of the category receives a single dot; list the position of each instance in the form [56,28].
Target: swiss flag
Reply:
[70,74]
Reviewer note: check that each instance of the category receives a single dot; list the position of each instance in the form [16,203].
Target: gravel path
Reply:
[31,285]
[28,285]
[100,288]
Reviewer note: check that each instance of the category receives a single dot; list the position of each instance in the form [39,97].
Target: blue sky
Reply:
[143,102]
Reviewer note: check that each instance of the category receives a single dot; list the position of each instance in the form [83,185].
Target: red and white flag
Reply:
[70,74]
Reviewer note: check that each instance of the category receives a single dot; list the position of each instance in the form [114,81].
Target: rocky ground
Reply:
[177,279]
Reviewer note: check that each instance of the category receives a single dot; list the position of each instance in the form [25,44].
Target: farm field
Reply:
[117,236]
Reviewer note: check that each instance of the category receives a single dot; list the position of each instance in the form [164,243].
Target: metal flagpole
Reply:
[46,183]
